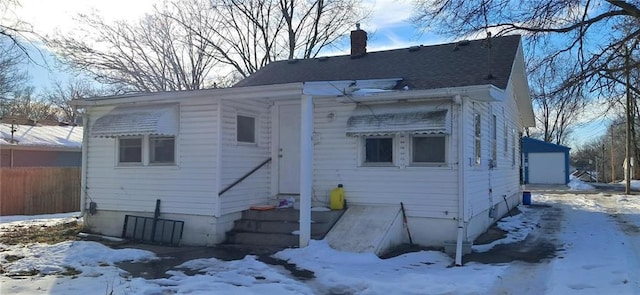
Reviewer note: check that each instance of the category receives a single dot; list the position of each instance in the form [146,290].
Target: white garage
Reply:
[544,162]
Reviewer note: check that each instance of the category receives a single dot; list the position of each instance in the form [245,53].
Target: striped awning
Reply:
[386,119]
[126,120]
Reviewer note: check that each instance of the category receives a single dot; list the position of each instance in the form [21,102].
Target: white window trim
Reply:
[505,134]
[429,164]
[256,128]
[477,140]
[362,151]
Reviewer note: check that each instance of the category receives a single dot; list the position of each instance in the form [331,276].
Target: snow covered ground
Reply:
[597,239]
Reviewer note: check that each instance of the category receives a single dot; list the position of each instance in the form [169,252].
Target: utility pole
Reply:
[604,179]
[627,168]
[613,161]
[14,129]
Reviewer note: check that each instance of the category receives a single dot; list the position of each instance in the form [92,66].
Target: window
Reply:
[478,140]
[505,134]
[130,150]
[162,149]
[147,150]
[378,150]
[428,149]
[246,129]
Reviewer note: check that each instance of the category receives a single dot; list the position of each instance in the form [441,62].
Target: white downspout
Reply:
[306,168]
[219,139]
[461,180]
[85,161]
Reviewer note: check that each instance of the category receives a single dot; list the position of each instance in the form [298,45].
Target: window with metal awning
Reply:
[127,120]
[388,119]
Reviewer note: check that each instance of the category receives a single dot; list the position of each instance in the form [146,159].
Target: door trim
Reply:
[275,143]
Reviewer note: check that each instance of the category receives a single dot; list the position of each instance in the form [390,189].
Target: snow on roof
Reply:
[52,136]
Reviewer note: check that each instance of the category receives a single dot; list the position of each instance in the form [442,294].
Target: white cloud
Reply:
[48,16]
[390,26]
[389,13]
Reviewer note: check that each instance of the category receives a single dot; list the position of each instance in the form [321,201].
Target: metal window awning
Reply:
[387,119]
[127,120]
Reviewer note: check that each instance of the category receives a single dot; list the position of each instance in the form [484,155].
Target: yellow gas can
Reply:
[336,198]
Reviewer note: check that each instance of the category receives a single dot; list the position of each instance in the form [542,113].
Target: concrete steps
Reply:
[275,228]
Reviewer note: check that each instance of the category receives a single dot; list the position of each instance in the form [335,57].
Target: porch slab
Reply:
[364,229]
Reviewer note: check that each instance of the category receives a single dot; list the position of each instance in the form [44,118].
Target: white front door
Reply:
[289,148]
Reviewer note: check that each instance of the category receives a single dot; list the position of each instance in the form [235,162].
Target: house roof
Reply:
[42,136]
[464,63]
[532,145]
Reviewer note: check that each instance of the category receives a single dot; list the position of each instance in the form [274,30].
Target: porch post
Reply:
[306,168]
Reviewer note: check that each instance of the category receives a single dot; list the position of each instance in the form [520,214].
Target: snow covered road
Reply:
[599,247]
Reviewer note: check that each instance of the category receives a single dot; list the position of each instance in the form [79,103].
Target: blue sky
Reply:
[389,26]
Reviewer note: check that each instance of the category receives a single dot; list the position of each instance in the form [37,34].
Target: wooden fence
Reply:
[39,190]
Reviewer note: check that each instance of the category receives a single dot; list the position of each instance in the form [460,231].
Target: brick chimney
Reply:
[358,42]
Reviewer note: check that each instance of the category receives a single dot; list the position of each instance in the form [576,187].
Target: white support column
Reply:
[85,161]
[306,168]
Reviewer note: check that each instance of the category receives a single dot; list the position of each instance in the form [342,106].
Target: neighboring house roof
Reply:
[42,136]
[584,175]
[477,62]
[532,145]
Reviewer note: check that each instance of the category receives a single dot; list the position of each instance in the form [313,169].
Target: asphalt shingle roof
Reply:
[421,67]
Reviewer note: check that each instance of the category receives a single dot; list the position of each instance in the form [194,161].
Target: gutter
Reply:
[477,92]
[219,149]
[276,91]
[461,164]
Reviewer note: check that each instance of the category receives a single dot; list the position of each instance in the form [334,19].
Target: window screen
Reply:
[379,150]
[428,149]
[246,129]
[162,149]
[130,150]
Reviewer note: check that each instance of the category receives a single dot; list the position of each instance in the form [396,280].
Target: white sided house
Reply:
[434,127]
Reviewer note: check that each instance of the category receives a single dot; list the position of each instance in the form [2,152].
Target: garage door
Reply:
[546,168]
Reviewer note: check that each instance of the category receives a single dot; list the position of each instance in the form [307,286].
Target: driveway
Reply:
[596,241]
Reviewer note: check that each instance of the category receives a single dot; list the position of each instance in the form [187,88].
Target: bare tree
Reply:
[13,54]
[12,76]
[191,44]
[60,95]
[557,112]
[19,34]
[590,157]
[561,31]
[596,35]
[12,30]
[155,54]
[25,105]
[247,35]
